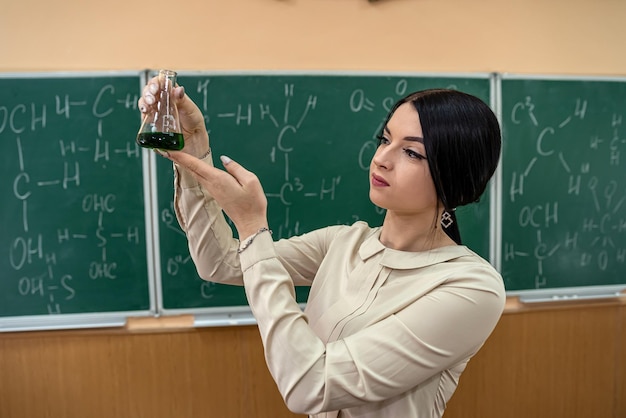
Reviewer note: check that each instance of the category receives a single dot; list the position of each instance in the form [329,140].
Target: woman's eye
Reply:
[382,140]
[413,154]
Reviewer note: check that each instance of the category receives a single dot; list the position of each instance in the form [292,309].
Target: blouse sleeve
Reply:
[434,333]
[213,247]
[209,237]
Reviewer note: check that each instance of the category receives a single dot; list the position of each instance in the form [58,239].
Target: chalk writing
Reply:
[564,190]
[70,218]
[309,139]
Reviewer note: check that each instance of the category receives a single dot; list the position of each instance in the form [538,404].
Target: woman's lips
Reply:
[378,181]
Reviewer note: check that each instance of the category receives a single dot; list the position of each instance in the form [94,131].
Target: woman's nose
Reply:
[381,158]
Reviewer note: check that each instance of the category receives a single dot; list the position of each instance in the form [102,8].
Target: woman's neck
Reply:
[413,233]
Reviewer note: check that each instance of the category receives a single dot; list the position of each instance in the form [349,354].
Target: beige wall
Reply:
[531,36]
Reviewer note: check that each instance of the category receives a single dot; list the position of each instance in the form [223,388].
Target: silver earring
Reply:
[446,219]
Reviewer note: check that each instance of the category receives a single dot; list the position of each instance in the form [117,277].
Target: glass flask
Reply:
[160,127]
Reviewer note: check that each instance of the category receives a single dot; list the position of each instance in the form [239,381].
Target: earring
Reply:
[446,219]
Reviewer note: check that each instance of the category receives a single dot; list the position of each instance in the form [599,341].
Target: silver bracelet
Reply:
[206,154]
[247,243]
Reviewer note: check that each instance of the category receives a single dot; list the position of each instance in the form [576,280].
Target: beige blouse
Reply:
[385,333]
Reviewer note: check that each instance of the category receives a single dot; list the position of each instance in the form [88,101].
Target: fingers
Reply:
[199,169]
[210,174]
[150,93]
[242,175]
[237,190]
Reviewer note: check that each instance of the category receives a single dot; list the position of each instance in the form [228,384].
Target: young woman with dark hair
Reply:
[395,312]
[468,135]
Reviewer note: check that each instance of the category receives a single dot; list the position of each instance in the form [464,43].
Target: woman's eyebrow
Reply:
[414,138]
[408,138]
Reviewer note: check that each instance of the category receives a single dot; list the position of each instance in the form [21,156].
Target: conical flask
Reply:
[160,127]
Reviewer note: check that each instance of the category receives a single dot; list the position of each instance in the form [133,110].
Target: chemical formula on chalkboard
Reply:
[310,139]
[87,218]
[73,216]
[564,188]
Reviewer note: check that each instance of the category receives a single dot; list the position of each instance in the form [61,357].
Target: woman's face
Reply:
[400,179]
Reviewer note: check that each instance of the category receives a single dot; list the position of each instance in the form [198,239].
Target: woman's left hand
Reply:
[237,190]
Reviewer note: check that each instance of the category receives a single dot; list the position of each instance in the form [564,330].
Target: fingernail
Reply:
[153,88]
[162,152]
[181,92]
[225,160]
[149,99]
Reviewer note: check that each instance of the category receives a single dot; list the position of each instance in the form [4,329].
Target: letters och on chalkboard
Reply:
[73,220]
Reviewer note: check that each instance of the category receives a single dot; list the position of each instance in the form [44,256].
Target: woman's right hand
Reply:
[190,117]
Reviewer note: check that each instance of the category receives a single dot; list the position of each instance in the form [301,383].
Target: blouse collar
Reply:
[403,260]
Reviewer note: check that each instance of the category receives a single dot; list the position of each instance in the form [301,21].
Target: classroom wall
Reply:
[530,36]
[551,361]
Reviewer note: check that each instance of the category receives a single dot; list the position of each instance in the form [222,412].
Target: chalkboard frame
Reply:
[110,319]
[242,315]
[550,294]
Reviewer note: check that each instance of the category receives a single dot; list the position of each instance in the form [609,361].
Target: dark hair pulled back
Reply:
[462,139]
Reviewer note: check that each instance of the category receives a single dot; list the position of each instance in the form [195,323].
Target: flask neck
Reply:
[168,78]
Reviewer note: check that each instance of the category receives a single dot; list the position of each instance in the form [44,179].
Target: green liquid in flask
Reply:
[162,140]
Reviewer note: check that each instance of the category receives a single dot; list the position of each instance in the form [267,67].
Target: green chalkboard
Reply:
[83,244]
[72,216]
[309,138]
[563,183]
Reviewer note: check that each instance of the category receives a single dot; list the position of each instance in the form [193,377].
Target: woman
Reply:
[395,312]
